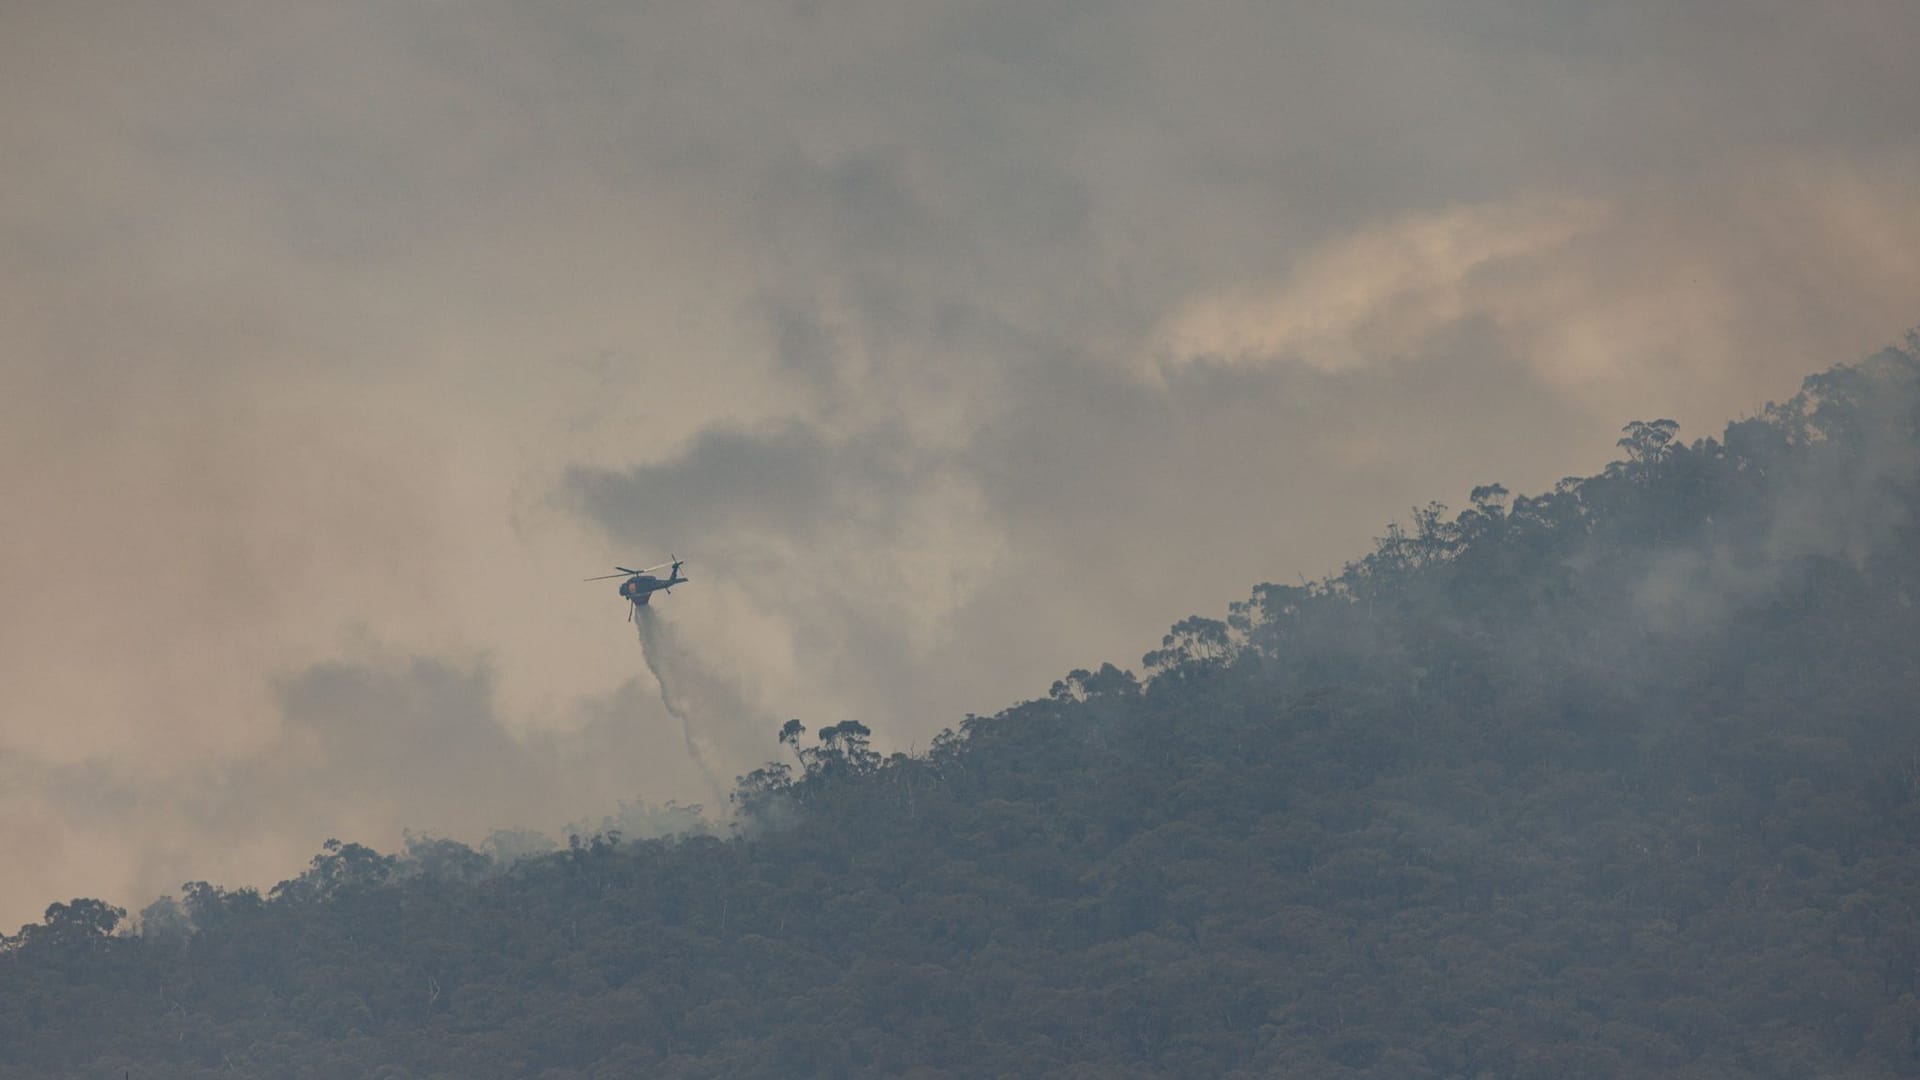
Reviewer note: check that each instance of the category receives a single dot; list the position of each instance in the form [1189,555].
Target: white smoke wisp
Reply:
[713,716]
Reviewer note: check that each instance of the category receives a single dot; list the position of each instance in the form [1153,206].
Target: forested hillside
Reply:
[1621,779]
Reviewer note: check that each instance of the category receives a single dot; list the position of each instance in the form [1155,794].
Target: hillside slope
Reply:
[1620,779]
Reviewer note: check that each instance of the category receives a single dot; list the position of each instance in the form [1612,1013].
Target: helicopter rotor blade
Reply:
[626,571]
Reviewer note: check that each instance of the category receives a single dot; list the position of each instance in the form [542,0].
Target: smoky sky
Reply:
[955,345]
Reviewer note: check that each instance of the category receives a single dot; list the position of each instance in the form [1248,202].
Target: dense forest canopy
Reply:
[1620,778]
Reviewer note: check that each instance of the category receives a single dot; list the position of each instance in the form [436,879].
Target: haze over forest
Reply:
[1616,779]
[956,345]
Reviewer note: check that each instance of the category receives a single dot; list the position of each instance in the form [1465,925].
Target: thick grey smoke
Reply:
[1844,500]
[372,748]
[716,723]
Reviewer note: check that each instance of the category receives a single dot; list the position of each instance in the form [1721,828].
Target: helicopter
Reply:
[642,584]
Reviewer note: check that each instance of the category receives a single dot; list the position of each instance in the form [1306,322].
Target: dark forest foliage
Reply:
[1620,779]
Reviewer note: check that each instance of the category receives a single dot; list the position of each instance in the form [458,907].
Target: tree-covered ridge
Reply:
[1619,779]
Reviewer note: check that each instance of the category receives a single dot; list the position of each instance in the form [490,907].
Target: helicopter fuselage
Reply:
[641,587]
